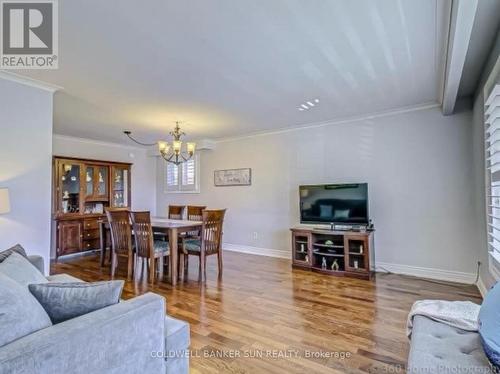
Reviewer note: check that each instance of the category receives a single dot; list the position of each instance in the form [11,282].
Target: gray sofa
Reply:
[133,336]
[439,348]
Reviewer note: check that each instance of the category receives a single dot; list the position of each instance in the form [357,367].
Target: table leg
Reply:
[172,238]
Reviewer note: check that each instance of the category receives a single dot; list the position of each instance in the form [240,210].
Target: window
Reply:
[492,145]
[183,178]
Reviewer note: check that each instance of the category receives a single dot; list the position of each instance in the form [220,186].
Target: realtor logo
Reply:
[28,34]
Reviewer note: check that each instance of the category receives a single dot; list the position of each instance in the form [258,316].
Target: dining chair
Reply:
[209,243]
[121,239]
[194,213]
[176,211]
[146,248]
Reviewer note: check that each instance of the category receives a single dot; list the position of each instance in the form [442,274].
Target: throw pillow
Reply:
[63,301]
[21,270]
[17,248]
[489,325]
[20,313]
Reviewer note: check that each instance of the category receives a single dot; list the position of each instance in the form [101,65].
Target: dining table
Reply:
[170,227]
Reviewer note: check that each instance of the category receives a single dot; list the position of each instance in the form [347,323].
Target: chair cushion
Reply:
[17,248]
[161,246]
[20,313]
[192,244]
[489,324]
[436,346]
[63,301]
[176,335]
[18,268]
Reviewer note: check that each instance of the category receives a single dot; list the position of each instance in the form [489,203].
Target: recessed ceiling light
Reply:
[310,104]
[301,109]
[316,100]
[304,106]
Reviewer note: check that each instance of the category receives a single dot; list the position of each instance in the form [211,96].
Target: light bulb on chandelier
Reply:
[173,152]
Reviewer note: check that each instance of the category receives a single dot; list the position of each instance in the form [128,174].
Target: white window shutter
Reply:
[492,145]
[172,177]
[183,178]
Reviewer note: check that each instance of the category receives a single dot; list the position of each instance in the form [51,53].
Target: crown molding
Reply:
[29,81]
[96,142]
[364,117]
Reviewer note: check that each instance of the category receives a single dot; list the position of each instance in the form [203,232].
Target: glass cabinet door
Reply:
[89,180]
[120,183]
[102,181]
[70,188]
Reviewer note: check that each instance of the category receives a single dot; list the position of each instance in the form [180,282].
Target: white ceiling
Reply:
[230,67]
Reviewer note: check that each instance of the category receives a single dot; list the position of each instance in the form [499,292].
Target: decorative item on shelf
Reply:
[73,178]
[361,249]
[356,264]
[370,225]
[302,247]
[65,206]
[67,168]
[233,177]
[329,242]
[88,178]
[98,208]
[174,153]
[65,195]
[335,265]
[101,179]
[306,259]
[323,263]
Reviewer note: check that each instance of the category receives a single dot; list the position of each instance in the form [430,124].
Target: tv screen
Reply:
[338,203]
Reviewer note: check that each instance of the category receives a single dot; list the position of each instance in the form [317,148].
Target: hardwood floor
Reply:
[262,307]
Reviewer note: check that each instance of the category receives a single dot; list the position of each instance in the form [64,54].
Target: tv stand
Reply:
[335,252]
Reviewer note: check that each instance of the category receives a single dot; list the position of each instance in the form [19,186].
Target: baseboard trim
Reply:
[383,267]
[482,287]
[256,250]
[431,273]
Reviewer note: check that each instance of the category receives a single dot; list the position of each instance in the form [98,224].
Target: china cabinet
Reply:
[82,191]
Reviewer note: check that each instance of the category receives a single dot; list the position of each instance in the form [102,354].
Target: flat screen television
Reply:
[334,203]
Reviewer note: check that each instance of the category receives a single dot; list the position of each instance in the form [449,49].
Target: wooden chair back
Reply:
[143,233]
[211,232]
[176,211]
[194,213]
[121,233]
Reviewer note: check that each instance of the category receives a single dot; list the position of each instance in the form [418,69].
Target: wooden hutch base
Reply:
[339,253]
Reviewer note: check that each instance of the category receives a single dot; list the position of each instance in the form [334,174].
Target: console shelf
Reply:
[339,253]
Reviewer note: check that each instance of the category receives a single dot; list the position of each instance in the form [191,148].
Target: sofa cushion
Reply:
[21,270]
[176,335]
[435,346]
[63,301]
[20,313]
[63,278]
[489,324]
[17,248]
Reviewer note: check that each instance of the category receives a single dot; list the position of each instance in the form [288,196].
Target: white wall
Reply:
[25,166]
[418,166]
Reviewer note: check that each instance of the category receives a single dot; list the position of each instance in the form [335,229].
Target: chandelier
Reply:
[172,153]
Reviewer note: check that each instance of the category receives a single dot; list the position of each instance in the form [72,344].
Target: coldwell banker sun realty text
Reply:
[29,34]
